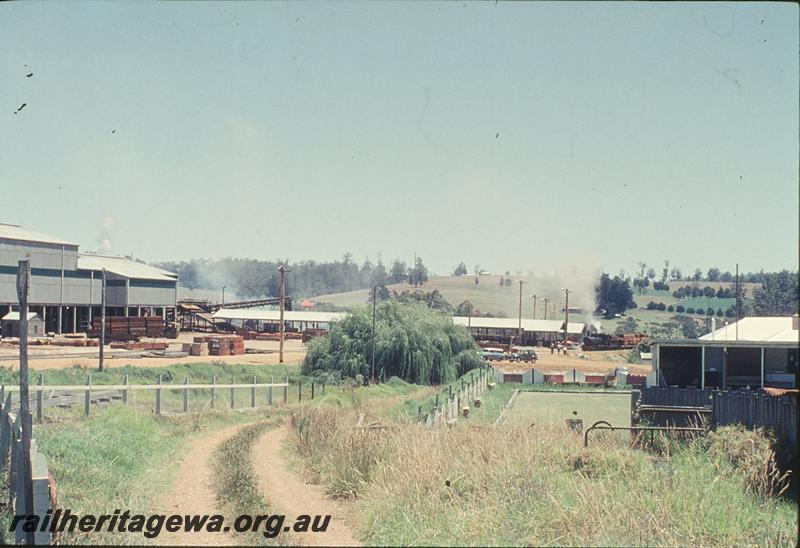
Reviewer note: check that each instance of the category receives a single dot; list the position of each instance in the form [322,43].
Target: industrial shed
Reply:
[9,325]
[534,332]
[754,352]
[66,285]
[269,320]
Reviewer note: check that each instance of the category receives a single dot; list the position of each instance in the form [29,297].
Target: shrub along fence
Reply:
[746,407]
[458,403]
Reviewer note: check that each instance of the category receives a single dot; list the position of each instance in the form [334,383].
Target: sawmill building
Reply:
[66,285]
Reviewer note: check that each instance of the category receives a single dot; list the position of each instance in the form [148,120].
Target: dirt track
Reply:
[192,492]
[289,494]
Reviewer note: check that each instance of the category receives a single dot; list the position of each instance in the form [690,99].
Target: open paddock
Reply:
[547,407]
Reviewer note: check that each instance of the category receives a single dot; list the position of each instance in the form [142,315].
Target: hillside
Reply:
[490,296]
[486,296]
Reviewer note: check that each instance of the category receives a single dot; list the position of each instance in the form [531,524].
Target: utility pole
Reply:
[534,306]
[519,329]
[23,290]
[102,318]
[566,318]
[374,305]
[282,271]
[737,301]
[546,301]
[223,295]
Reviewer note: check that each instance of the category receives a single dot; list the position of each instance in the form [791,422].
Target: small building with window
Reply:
[9,325]
[753,352]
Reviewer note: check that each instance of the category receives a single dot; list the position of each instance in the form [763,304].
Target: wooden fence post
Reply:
[300,390]
[269,392]
[125,391]
[41,491]
[186,395]
[158,397]
[213,391]
[286,391]
[233,391]
[88,396]
[312,390]
[40,399]
[253,393]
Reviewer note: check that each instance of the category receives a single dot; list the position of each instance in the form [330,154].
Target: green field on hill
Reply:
[490,296]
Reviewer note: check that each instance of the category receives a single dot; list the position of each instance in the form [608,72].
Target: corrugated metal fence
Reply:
[745,407]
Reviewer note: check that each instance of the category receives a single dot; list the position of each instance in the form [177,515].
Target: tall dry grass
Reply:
[520,485]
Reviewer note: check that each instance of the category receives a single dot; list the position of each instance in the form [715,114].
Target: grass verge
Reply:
[534,486]
[120,458]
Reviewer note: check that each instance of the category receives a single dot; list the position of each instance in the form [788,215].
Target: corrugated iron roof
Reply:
[756,329]
[539,326]
[13,316]
[275,315]
[124,267]
[16,232]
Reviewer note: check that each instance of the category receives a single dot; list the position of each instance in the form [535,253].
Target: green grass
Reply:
[705,302]
[119,458]
[410,409]
[173,374]
[522,486]
[235,478]
[542,408]
[487,296]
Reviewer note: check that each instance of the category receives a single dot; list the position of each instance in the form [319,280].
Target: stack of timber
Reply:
[277,336]
[125,328]
[226,345]
[246,334]
[309,334]
[215,345]
[56,341]
[130,345]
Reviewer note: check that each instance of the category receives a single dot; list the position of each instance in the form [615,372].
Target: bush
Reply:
[670,308]
[750,454]
[690,310]
[680,309]
[412,342]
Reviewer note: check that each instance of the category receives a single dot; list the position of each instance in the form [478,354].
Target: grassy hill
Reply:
[486,296]
[490,296]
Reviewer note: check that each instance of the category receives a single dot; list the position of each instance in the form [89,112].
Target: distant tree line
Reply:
[253,278]
[688,291]
[729,312]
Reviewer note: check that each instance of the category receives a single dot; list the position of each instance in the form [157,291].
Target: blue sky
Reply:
[529,136]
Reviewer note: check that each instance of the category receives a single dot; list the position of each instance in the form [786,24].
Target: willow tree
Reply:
[412,342]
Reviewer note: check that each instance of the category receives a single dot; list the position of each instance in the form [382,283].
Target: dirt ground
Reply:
[587,362]
[289,494]
[40,356]
[192,493]
[294,352]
